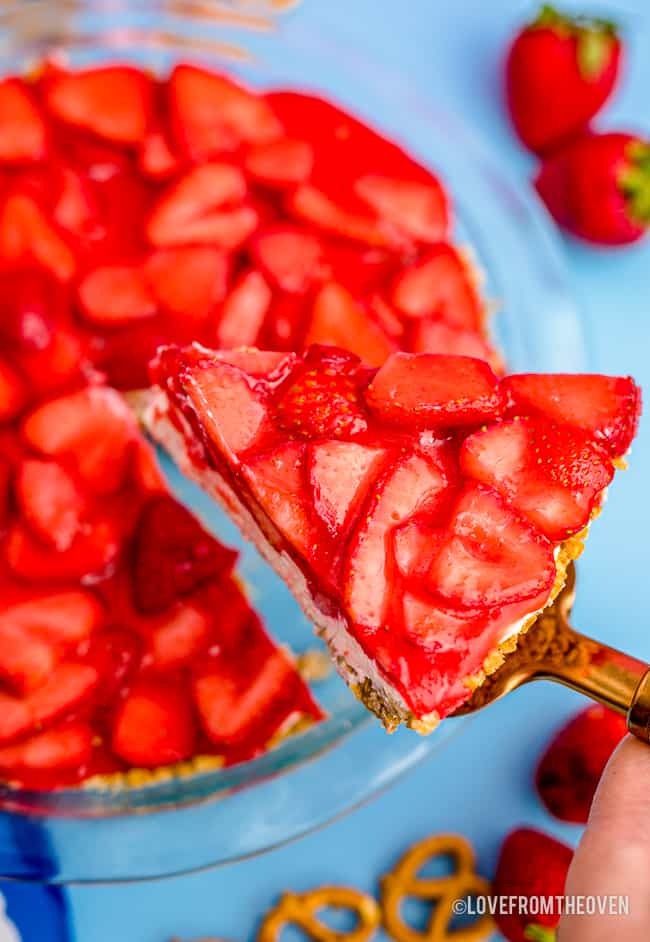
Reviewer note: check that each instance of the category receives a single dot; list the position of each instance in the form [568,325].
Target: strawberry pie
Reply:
[423,514]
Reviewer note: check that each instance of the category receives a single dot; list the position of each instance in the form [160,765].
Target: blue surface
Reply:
[480,783]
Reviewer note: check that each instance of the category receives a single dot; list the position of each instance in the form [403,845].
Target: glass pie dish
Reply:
[173,825]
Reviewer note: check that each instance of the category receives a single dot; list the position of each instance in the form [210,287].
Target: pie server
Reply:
[553,650]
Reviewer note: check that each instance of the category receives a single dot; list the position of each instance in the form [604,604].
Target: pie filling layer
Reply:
[418,512]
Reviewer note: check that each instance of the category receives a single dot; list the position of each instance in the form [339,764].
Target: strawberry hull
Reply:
[423,575]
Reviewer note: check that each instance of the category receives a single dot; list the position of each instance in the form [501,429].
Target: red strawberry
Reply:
[50,501]
[173,555]
[243,312]
[560,72]
[61,362]
[551,474]
[154,725]
[281,163]
[94,427]
[26,661]
[313,206]
[607,407]
[115,654]
[598,187]
[156,158]
[419,210]
[231,706]
[23,136]
[429,335]
[177,638]
[339,476]
[570,769]
[432,390]
[291,257]
[29,299]
[91,555]
[27,236]
[211,115]
[441,285]
[62,618]
[115,295]
[68,746]
[531,865]
[67,686]
[204,206]
[338,320]
[416,483]
[75,208]
[232,409]
[113,102]
[491,556]
[188,282]
[313,404]
[278,482]
[13,392]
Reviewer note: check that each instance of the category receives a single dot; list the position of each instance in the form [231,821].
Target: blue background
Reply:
[480,784]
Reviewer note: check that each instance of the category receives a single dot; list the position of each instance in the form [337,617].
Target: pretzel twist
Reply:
[301,909]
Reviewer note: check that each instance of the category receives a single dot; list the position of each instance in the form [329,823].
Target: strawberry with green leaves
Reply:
[560,71]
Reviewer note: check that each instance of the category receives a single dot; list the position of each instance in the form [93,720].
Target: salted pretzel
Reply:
[301,909]
[443,892]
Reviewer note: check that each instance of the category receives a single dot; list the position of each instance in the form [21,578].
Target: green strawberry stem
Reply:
[634,182]
[537,933]
[595,37]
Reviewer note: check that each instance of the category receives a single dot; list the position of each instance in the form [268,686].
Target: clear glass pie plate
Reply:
[181,824]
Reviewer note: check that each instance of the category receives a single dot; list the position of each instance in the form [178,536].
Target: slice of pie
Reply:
[422,514]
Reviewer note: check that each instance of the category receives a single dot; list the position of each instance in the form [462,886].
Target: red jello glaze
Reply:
[193,209]
[424,499]
[115,606]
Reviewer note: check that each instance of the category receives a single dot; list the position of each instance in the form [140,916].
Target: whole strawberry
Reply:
[560,71]
[598,187]
[531,864]
[571,767]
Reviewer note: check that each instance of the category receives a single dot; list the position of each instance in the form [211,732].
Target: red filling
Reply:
[424,499]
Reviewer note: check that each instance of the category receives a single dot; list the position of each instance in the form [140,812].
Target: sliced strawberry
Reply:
[415,484]
[23,136]
[94,427]
[230,707]
[68,746]
[491,557]
[91,555]
[115,295]
[291,257]
[279,483]
[233,409]
[26,661]
[273,365]
[29,305]
[440,285]
[178,638]
[50,501]
[550,473]
[68,685]
[60,363]
[338,320]
[115,654]
[27,236]
[315,207]
[434,336]
[156,158]
[188,282]
[61,618]
[607,407]
[323,400]
[340,474]
[415,546]
[75,209]
[433,390]
[173,555]
[113,102]
[385,316]
[203,207]
[13,393]
[154,725]
[281,163]
[244,311]
[211,114]
[420,210]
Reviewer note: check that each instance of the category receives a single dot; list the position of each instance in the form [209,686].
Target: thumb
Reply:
[613,858]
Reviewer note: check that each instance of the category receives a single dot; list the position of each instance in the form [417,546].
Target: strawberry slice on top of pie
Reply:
[423,514]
